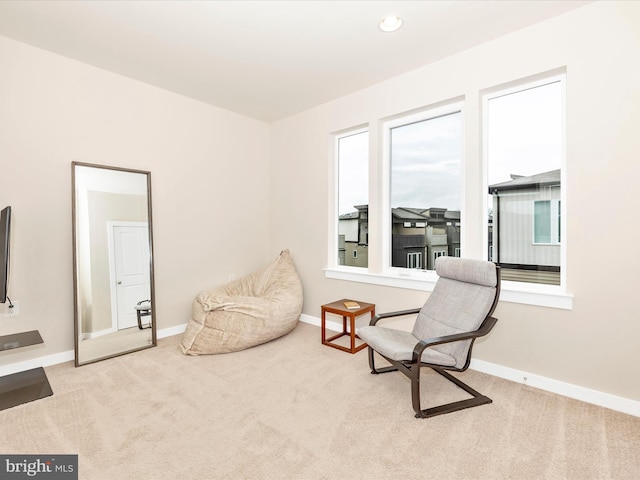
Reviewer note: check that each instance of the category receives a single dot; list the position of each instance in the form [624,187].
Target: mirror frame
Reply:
[76,313]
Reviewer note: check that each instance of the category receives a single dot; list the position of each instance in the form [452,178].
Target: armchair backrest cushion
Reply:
[461,299]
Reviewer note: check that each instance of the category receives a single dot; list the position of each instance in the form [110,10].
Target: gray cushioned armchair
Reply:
[458,311]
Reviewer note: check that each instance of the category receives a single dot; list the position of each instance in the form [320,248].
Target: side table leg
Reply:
[323,327]
[353,333]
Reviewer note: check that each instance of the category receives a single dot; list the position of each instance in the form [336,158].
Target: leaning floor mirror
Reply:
[112,262]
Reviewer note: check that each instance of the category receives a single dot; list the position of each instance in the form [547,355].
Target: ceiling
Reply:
[265,59]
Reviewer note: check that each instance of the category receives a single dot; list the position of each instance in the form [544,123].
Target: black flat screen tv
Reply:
[5,230]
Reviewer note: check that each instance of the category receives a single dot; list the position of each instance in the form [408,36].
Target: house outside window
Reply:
[524,154]
[352,154]
[424,165]
[416,176]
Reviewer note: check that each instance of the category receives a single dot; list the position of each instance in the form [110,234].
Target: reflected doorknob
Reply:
[119,283]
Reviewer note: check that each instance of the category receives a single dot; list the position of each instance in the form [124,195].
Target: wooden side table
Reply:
[338,308]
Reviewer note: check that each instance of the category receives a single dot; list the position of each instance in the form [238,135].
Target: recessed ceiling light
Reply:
[390,24]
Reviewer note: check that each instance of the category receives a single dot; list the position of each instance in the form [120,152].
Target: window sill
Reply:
[514,292]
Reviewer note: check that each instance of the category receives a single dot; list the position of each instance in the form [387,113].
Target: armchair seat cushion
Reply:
[398,345]
[246,312]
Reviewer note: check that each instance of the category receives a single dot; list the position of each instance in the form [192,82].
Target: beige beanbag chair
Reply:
[246,312]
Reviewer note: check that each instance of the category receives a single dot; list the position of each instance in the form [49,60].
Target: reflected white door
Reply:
[131,256]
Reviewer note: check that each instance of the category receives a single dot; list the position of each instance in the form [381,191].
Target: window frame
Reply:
[557,293]
[379,220]
[416,116]
[334,186]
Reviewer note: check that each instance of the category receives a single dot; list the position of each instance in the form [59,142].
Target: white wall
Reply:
[212,207]
[210,199]
[594,345]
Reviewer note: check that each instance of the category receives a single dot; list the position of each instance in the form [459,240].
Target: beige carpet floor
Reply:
[294,409]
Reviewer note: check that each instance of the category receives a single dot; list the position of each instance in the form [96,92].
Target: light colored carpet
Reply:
[295,409]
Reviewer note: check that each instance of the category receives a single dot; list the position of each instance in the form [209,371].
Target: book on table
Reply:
[351,305]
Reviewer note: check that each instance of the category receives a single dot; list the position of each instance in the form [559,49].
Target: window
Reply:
[425,179]
[414,260]
[415,173]
[436,254]
[352,152]
[546,221]
[524,137]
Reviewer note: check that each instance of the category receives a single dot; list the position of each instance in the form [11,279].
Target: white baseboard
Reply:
[620,404]
[69,355]
[45,361]
[330,324]
[595,397]
[171,331]
[602,399]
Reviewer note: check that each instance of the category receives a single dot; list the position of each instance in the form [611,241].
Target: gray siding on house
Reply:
[515,241]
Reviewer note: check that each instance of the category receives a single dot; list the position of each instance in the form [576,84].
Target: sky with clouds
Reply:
[426,163]
[426,156]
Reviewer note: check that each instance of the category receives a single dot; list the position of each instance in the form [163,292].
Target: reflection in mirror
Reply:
[113,261]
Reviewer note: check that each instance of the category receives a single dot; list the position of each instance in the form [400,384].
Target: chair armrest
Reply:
[485,328]
[399,313]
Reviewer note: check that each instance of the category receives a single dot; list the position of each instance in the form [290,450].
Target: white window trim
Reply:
[512,292]
[385,132]
[522,287]
[551,296]
[332,253]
